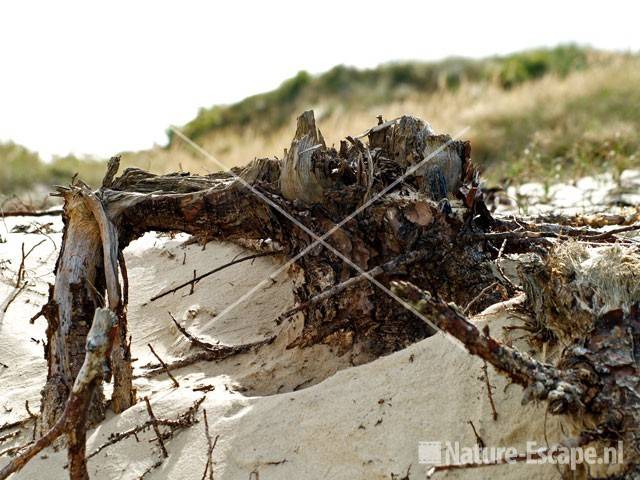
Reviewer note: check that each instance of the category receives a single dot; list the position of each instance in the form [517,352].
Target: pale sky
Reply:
[100,77]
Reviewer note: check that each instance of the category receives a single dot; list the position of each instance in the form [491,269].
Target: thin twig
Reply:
[489,392]
[125,278]
[12,451]
[184,420]
[164,366]
[479,440]
[154,424]
[17,423]
[612,232]
[33,417]
[9,436]
[21,268]
[194,340]
[509,284]
[19,290]
[215,270]
[479,296]
[150,469]
[210,446]
[540,235]
[193,282]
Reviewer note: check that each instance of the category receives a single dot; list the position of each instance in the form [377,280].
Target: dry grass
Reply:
[549,128]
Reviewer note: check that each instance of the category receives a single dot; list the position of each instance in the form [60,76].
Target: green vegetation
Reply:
[385,83]
[21,169]
[589,132]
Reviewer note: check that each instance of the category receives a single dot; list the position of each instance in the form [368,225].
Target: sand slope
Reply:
[281,413]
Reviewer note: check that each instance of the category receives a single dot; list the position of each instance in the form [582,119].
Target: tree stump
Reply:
[408,208]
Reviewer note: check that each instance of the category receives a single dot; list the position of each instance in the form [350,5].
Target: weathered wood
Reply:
[441,162]
[221,207]
[301,177]
[74,299]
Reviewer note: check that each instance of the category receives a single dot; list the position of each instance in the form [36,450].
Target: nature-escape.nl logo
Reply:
[439,453]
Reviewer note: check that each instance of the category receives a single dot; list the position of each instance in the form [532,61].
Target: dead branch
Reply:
[182,421]
[18,291]
[33,417]
[194,340]
[9,436]
[560,388]
[150,469]
[164,366]
[511,288]
[193,283]
[14,450]
[196,279]
[479,441]
[216,353]
[21,268]
[17,423]
[478,297]
[154,424]
[611,233]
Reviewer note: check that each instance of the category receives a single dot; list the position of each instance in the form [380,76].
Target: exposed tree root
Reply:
[405,206]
